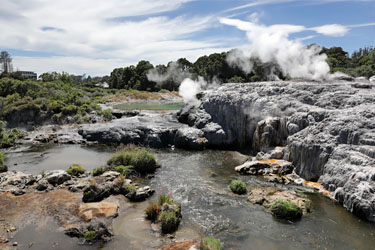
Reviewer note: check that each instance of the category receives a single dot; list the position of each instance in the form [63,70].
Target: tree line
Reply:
[213,68]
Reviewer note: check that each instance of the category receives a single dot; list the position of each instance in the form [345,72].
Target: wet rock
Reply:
[97,209]
[110,175]
[17,191]
[15,179]
[190,138]
[42,185]
[3,168]
[139,194]
[262,167]
[277,153]
[266,196]
[181,245]
[57,177]
[104,186]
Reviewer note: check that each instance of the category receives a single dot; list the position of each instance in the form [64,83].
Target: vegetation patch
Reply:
[141,161]
[238,187]
[98,171]
[166,211]
[90,235]
[152,211]
[210,243]
[169,222]
[124,170]
[286,210]
[75,170]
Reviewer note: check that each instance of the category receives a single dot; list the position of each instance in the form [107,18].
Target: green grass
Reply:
[150,106]
[286,210]
[142,161]
[210,243]
[75,170]
[238,187]
[152,211]
[124,170]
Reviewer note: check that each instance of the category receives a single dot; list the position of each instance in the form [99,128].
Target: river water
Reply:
[199,180]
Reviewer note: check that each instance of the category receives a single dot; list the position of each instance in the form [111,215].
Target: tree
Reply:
[6,62]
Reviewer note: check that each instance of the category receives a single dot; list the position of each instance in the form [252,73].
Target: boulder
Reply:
[190,138]
[97,209]
[57,177]
[139,194]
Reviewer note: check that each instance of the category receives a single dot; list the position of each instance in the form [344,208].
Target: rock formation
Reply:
[328,129]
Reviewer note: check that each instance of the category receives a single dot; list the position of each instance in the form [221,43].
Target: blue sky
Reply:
[95,36]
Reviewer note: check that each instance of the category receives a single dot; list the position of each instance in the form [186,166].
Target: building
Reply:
[28,74]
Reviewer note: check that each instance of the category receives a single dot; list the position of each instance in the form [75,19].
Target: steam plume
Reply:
[271,44]
[189,89]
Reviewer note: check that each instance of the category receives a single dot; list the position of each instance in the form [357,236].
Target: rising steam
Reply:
[189,90]
[272,44]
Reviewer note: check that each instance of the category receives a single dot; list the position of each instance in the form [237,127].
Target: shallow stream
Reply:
[199,180]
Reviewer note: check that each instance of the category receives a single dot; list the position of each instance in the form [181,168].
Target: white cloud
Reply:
[92,31]
[331,30]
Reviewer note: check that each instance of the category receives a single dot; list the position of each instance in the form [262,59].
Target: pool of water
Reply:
[51,157]
[199,180]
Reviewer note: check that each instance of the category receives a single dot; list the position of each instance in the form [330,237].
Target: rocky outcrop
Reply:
[266,196]
[327,128]
[153,129]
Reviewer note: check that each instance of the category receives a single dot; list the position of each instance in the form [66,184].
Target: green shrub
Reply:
[55,107]
[142,161]
[286,210]
[107,114]
[169,222]
[90,235]
[98,171]
[75,170]
[69,110]
[238,187]
[210,243]
[152,211]
[124,170]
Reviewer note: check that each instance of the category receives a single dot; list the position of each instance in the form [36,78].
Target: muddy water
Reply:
[199,180]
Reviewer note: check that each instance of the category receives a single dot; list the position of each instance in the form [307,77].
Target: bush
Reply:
[210,243]
[238,187]
[75,170]
[98,171]
[152,211]
[69,110]
[169,222]
[90,235]
[107,114]
[286,210]
[142,161]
